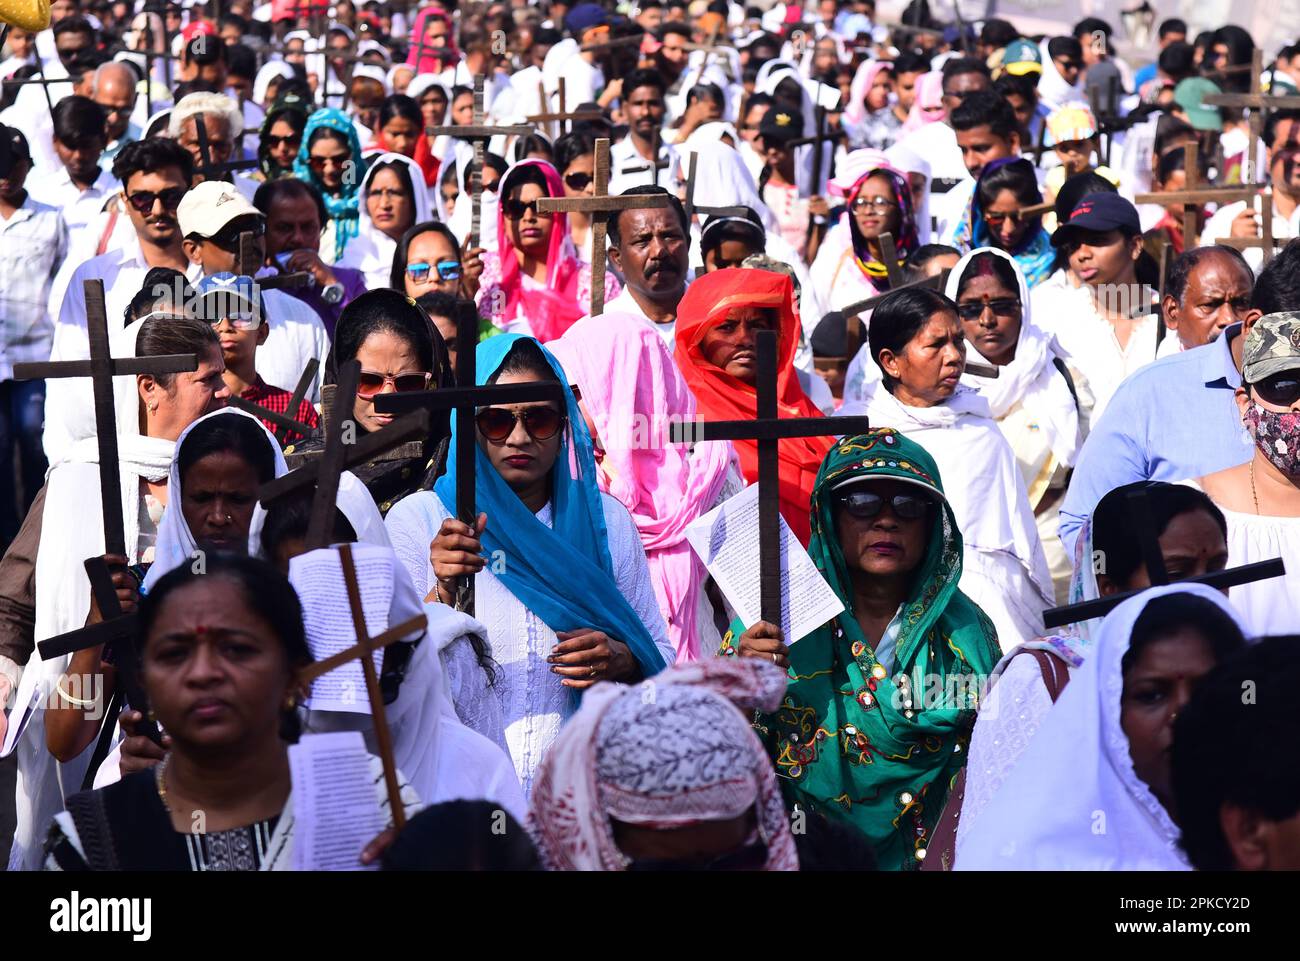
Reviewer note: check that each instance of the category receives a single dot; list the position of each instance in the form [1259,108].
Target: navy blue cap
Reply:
[1099,212]
[583,17]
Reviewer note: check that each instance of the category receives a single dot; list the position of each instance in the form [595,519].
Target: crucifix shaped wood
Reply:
[465,399]
[768,428]
[1256,104]
[599,206]
[101,368]
[1144,529]
[690,206]
[564,119]
[1195,196]
[210,170]
[285,424]
[477,133]
[248,261]
[363,651]
[1266,242]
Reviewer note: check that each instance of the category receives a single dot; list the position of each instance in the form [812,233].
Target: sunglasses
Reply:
[879,204]
[1280,390]
[418,273]
[578,181]
[372,382]
[515,209]
[240,321]
[143,200]
[320,163]
[997,220]
[228,240]
[498,423]
[865,505]
[1002,308]
[293,140]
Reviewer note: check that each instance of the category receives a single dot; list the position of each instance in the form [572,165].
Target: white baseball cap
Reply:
[207,208]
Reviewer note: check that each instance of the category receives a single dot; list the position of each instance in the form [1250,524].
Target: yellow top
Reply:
[33,15]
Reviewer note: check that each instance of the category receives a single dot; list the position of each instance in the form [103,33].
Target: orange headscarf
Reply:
[722,397]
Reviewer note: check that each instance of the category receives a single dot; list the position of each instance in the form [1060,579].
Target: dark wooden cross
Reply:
[465,399]
[1106,113]
[1196,195]
[1266,241]
[477,133]
[210,170]
[1257,105]
[768,428]
[1139,509]
[248,261]
[692,208]
[283,422]
[561,117]
[598,206]
[101,368]
[363,651]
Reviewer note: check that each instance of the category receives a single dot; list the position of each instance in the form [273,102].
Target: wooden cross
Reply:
[1257,104]
[465,399]
[1139,509]
[477,133]
[1195,196]
[1109,122]
[101,368]
[768,428]
[655,165]
[560,117]
[1266,242]
[207,168]
[248,261]
[599,205]
[363,651]
[284,422]
[689,204]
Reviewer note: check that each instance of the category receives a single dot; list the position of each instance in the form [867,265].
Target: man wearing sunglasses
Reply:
[154,175]
[233,306]
[212,217]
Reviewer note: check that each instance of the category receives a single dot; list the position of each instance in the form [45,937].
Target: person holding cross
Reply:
[564,588]
[534,281]
[223,126]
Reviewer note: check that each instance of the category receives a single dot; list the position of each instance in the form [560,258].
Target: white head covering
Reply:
[176,544]
[1053,90]
[371,251]
[275,69]
[770,76]
[1074,801]
[462,217]
[1031,378]
[372,72]
[904,158]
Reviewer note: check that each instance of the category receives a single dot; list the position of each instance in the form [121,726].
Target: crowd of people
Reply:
[1077,394]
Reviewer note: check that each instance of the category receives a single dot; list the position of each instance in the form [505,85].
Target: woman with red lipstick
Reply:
[917,341]
[535,282]
[717,334]
[898,670]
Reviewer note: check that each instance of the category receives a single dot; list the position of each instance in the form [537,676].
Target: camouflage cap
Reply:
[1272,346]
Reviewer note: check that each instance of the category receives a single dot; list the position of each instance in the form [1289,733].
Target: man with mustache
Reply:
[644,109]
[650,247]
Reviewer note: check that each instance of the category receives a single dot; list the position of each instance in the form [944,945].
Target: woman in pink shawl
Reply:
[666,776]
[534,282]
[631,391]
[928,106]
[438,52]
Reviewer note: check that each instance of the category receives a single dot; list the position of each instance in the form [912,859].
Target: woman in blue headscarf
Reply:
[993,218]
[560,577]
[330,160]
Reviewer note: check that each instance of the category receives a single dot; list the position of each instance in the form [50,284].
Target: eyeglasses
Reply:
[238,320]
[879,205]
[1280,390]
[997,220]
[418,273]
[578,181]
[372,382]
[1070,64]
[335,160]
[293,140]
[387,193]
[1002,308]
[143,200]
[864,505]
[498,423]
[515,209]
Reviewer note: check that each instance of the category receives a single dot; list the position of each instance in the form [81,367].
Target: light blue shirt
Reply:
[1172,420]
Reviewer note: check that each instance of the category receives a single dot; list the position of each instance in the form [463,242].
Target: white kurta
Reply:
[534,702]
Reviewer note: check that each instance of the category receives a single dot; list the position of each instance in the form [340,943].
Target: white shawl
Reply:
[1031,379]
[371,251]
[1074,802]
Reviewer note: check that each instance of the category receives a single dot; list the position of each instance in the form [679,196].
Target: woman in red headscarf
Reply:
[432,51]
[534,283]
[717,334]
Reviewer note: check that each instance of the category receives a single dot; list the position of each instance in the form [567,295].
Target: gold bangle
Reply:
[74,701]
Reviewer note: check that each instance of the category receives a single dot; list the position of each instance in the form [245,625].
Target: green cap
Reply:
[1190,96]
[1272,346]
[1022,57]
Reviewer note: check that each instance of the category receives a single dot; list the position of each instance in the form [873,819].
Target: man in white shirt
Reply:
[79,188]
[985,128]
[630,158]
[583,79]
[212,216]
[1242,219]
[651,248]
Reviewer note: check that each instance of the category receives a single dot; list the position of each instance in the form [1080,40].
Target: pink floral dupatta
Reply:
[551,310]
[632,390]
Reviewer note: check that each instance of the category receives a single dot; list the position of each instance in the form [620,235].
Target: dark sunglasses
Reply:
[997,220]
[371,382]
[1280,390]
[578,181]
[751,857]
[498,423]
[294,139]
[228,240]
[143,200]
[1003,308]
[864,505]
[447,270]
[515,209]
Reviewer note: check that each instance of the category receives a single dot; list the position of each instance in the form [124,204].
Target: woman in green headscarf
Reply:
[876,720]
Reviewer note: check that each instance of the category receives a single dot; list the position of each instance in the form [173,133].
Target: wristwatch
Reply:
[332,293]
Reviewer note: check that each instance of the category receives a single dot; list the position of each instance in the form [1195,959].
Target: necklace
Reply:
[1253,493]
[160,782]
